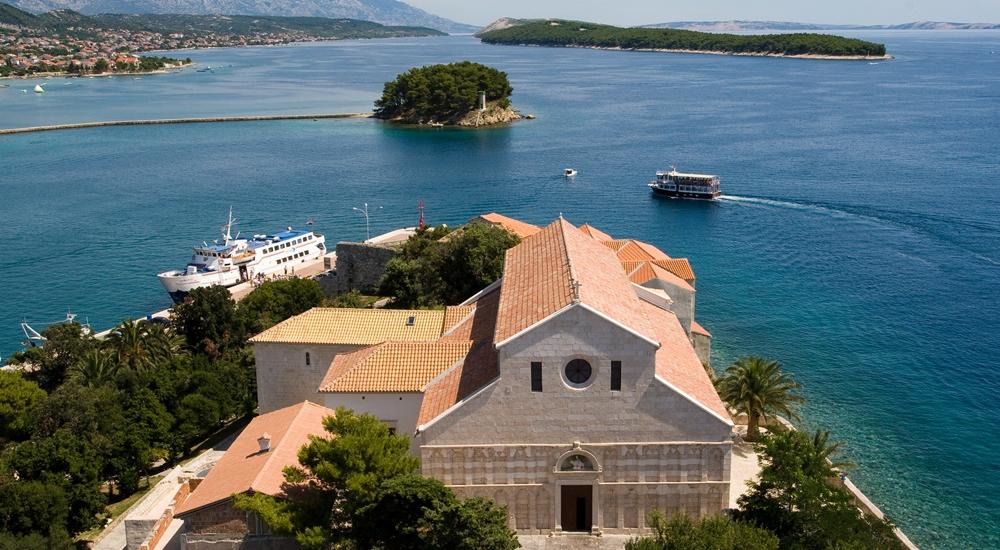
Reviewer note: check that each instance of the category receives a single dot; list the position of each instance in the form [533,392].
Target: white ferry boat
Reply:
[235,260]
[679,185]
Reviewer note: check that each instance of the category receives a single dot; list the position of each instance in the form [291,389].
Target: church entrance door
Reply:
[577,507]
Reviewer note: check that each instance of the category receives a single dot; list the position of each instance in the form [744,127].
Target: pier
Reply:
[308,270]
[154,121]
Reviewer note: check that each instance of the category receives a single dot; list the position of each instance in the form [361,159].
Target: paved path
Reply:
[154,501]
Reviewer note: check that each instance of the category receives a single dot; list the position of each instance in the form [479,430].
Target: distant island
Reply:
[68,42]
[448,95]
[580,34]
[736,25]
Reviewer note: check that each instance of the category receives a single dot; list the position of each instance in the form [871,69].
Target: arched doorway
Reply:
[577,503]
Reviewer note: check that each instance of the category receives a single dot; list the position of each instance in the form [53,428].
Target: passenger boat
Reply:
[679,185]
[236,260]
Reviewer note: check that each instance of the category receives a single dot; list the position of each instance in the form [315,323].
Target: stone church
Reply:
[572,390]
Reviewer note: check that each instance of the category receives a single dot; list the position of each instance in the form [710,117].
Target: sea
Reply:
[858,241]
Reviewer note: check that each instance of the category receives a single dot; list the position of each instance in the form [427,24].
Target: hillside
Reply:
[739,26]
[386,12]
[558,32]
[320,27]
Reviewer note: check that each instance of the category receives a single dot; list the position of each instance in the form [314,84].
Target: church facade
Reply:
[569,391]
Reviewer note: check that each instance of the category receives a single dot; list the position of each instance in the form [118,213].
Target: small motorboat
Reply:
[569,172]
[39,89]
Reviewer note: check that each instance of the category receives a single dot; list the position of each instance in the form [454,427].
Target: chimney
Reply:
[265,442]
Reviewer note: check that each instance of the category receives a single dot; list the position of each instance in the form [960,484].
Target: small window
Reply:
[536,377]
[411,320]
[616,376]
[307,359]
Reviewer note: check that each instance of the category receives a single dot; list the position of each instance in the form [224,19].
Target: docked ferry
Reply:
[235,260]
[679,185]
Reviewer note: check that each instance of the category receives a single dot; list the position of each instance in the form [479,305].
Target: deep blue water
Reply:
[859,244]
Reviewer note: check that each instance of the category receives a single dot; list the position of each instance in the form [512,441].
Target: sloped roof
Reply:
[393,366]
[560,266]
[517,227]
[633,250]
[478,369]
[453,315]
[355,326]
[595,233]
[696,328]
[680,267]
[244,468]
[647,271]
[678,363]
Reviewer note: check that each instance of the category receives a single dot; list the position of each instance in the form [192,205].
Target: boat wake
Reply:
[921,223]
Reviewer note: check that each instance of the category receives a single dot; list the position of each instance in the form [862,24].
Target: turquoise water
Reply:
[859,242]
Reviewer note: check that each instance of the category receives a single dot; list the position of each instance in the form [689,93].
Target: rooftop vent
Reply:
[265,442]
[411,320]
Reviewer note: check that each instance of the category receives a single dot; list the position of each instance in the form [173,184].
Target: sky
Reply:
[637,12]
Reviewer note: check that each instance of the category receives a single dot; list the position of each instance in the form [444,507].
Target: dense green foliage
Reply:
[276,301]
[441,92]
[757,387]
[83,25]
[432,270]
[578,33]
[352,482]
[714,533]
[795,498]
[87,419]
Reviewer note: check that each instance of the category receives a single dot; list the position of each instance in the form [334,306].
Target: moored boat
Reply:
[236,260]
[680,185]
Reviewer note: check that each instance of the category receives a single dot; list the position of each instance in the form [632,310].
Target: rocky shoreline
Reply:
[494,115]
[885,57]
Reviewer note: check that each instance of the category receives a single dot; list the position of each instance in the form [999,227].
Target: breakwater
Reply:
[153,121]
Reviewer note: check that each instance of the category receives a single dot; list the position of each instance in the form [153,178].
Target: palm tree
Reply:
[756,387]
[131,344]
[95,368]
[164,343]
[822,452]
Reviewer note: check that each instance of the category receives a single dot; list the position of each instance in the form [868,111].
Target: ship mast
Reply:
[228,228]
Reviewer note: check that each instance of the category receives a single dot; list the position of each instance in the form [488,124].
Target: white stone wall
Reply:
[655,449]
[284,379]
[683,306]
[399,410]
[644,410]
[631,480]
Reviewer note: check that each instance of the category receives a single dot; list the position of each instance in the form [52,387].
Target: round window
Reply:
[578,371]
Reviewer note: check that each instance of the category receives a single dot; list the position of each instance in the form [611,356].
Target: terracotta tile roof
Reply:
[517,227]
[678,364]
[453,315]
[595,233]
[557,267]
[355,326]
[243,467]
[698,329]
[478,369]
[680,267]
[536,282]
[633,250]
[393,366]
[644,272]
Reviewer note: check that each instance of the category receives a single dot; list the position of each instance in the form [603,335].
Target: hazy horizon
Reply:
[640,12]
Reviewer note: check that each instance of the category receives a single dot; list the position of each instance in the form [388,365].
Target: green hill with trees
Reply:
[444,94]
[558,32]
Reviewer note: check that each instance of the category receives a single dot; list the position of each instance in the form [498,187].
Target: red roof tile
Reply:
[678,364]
[244,467]
[517,227]
[595,233]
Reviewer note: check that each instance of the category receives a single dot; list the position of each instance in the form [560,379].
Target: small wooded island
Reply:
[559,32]
[448,95]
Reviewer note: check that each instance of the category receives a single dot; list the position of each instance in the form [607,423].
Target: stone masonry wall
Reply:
[360,266]
[644,410]
[631,480]
[284,379]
